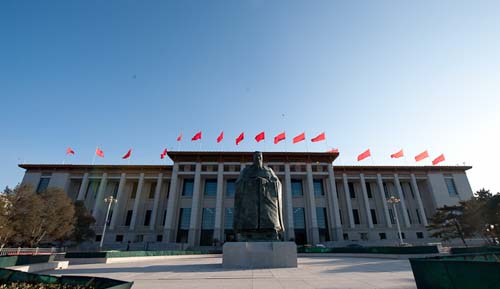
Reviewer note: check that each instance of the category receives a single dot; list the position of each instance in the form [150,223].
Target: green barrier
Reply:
[373,250]
[469,250]
[7,275]
[122,254]
[468,271]
[9,261]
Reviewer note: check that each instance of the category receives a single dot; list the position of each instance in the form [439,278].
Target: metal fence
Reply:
[29,251]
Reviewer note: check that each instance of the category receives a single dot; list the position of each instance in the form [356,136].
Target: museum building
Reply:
[191,201]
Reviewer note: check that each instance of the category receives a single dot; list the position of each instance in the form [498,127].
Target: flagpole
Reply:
[93,160]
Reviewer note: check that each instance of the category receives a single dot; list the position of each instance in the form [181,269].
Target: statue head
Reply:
[257,159]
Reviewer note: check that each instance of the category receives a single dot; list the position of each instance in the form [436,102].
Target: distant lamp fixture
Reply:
[110,200]
[393,201]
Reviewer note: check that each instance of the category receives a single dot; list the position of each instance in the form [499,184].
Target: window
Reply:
[409,216]
[210,188]
[420,235]
[128,218]
[164,217]
[92,188]
[159,238]
[187,188]
[147,218]
[450,184]
[391,215]
[228,225]
[139,238]
[364,236]
[299,223]
[152,189]
[382,236]
[418,216]
[318,188]
[297,188]
[386,190]
[119,238]
[402,189]
[98,238]
[411,191]
[322,224]
[403,236]
[184,219]
[115,190]
[355,215]
[42,185]
[230,188]
[374,216]
[340,215]
[345,236]
[134,190]
[207,226]
[351,190]
[369,190]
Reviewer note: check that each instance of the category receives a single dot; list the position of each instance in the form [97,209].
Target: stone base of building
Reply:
[257,255]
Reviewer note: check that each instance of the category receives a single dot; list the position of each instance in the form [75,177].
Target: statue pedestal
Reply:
[258,255]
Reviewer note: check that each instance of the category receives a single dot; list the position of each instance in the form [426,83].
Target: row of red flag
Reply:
[421,156]
[260,137]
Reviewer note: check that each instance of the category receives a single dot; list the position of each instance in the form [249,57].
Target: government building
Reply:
[191,202]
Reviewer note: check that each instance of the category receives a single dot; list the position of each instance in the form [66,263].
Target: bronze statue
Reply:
[257,203]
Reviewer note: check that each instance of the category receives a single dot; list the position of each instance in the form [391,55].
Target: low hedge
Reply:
[11,276]
[472,250]
[373,250]
[124,254]
[9,261]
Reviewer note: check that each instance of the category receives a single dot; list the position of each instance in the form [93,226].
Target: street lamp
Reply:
[110,200]
[393,200]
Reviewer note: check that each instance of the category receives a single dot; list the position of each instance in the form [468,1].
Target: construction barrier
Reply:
[7,276]
[467,271]
[373,250]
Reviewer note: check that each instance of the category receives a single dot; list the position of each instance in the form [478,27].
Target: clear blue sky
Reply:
[382,75]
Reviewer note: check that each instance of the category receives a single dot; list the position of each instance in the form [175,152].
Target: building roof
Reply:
[211,156]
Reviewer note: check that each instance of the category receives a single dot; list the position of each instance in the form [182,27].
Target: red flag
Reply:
[364,155]
[421,156]
[163,154]
[437,160]
[197,136]
[220,137]
[260,137]
[127,155]
[299,138]
[320,137]
[279,137]
[179,138]
[99,152]
[69,151]
[398,154]
[336,150]
[240,138]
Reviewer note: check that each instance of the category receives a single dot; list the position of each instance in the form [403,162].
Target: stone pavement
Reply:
[207,272]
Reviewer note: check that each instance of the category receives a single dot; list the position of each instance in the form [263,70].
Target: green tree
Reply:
[447,223]
[84,221]
[6,228]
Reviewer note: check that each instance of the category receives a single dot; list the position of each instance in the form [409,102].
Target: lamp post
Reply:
[393,200]
[110,200]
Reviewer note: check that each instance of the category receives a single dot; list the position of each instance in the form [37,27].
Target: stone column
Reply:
[348,201]
[137,201]
[288,199]
[365,201]
[419,199]
[83,187]
[120,202]
[195,208]
[336,231]
[169,228]
[311,202]
[406,219]
[219,204]
[156,201]
[384,200]
[99,200]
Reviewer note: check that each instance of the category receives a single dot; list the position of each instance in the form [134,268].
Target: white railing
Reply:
[28,251]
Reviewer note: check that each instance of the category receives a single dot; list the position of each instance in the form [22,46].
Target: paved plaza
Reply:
[207,272]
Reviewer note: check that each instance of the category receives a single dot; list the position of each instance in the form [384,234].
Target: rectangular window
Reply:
[42,185]
[187,188]
[364,236]
[418,216]
[411,191]
[210,188]
[391,215]
[152,189]
[98,238]
[184,218]
[230,188]
[299,220]
[119,238]
[297,188]
[92,188]
[159,238]
[128,218]
[402,189]
[382,236]
[450,184]
[403,235]
[115,190]
[147,218]
[340,215]
[164,217]
[345,236]
[386,190]
[369,190]
[355,215]
[134,190]
[318,188]
[409,216]
[374,216]
[420,235]
[351,190]
[208,219]
[228,218]
[321,217]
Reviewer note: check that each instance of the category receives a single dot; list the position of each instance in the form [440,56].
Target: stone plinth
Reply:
[252,255]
